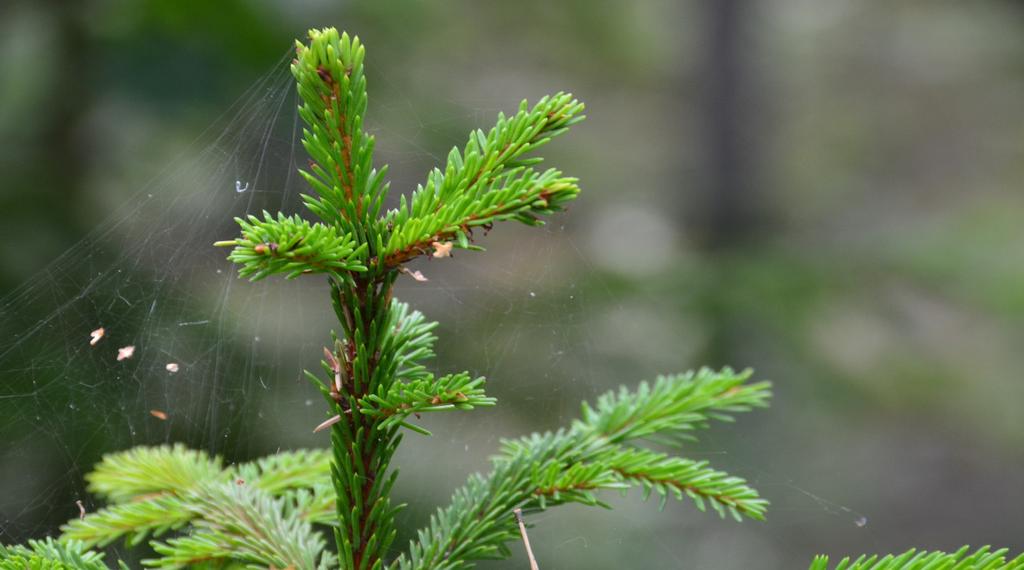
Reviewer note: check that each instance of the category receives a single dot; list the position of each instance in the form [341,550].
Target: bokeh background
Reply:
[828,192]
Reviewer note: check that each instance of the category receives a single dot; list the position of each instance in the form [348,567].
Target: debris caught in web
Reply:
[239,188]
[96,336]
[125,352]
[158,414]
[172,367]
[81,507]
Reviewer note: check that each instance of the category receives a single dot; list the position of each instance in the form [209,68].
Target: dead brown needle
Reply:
[81,510]
[96,336]
[327,423]
[332,362]
[526,539]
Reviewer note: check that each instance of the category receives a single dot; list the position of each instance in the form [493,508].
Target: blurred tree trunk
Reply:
[45,181]
[71,98]
[730,212]
[47,187]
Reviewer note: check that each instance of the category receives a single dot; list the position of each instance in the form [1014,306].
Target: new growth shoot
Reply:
[374,378]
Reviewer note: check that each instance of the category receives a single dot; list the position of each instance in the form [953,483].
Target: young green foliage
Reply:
[261,513]
[597,452]
[50,555]
[293,246]
[258,513]
[963,559]
[242,523]
[332,86]
[488,181]
[375,380]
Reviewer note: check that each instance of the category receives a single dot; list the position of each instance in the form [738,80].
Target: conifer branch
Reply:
[556,482]
[674,406]
[287,470]
[962,559]
[158,489]
[666,475]
[51,555]
[474,526]
[410,345]
[292,246]
[571,465]
[349,196]
[407,340]
[429,394]
[487,182]
[376,367]
[315,504]
[134,521]
[151,471]
[332,84]
[246,524]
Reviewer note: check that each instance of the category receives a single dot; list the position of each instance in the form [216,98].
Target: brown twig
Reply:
[526,539]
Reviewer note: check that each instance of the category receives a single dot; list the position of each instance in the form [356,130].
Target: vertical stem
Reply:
[333,88]
[362,451]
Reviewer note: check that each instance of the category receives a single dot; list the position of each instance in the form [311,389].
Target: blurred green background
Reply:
[828,192]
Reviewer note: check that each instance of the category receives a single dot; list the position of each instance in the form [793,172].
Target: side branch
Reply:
[673,407]
[665,474]
[293,246]
[521,196]
[572,465]
[489,180]
[963,559]
[453,391]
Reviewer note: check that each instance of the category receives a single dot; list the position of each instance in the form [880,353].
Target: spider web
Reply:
[217,362]
[150,279]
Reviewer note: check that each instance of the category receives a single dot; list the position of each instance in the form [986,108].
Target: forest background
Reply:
[829,193]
